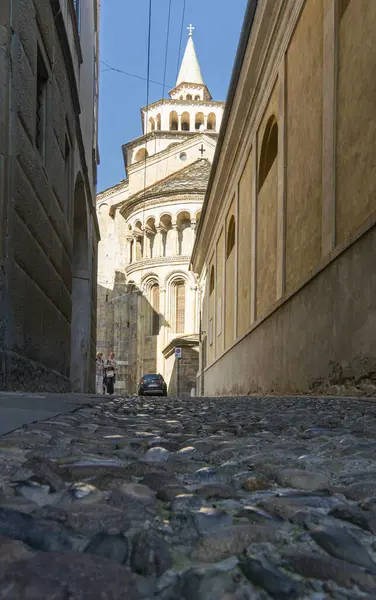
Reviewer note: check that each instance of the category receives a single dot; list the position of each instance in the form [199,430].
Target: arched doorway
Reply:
[81,294]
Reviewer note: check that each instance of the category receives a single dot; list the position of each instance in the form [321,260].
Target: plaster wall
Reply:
[313,222]
[304,75]
[327,320]
[219,336]
[266,270]
[245,243]
[230,267]
[356,123]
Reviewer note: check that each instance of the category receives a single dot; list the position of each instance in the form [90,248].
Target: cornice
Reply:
[173,102]
[156,262]
[128,210]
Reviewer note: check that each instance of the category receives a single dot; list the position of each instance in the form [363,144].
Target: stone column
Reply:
[129,250]
[157,248]
[174,232]
[193,227]
[179,122]
[206,122]
[147,245]
[162,321]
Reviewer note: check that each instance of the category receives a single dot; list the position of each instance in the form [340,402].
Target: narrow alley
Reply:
[210,498]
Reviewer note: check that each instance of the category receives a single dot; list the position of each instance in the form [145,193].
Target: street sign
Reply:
[177,352]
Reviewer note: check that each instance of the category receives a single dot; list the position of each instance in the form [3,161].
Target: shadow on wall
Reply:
[129,322]
[181,373]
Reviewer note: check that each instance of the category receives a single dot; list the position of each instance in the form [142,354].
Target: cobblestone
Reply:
[223,499]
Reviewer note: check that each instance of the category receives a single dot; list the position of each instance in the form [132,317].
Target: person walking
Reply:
[99,374]
[110,368]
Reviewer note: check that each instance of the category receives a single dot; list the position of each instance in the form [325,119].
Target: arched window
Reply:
[158,122]
[141,154]
[151,124]
[199,121]
[269,150]
[197,98]
[185,121]
[179,306]
[212,280]
[212,121]
[230,236]
[189,97]
[174,121]
[154,303]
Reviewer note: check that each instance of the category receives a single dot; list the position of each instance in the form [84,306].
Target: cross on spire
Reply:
[191,30]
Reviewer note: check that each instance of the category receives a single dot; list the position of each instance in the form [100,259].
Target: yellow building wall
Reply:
[356,123]
[304,144]
[211,315]
[266,234]
[266,262]
[230,286]
[244,241]
[219,331]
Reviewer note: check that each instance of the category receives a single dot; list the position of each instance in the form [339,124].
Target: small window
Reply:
[197,98]
[212,280]
[189,97]
[230,236]
[183,156]
[41,105]
[269,150]
[180,307]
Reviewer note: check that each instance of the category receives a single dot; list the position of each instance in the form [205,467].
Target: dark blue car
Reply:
[153,384]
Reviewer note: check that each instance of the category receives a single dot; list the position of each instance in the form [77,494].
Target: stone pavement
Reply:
[195,499]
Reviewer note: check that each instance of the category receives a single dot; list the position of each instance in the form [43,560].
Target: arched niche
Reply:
[212,122]
[185,121]
[174,121]
[269,150]
[141,154]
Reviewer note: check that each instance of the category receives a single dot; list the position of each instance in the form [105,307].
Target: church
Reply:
[148,299]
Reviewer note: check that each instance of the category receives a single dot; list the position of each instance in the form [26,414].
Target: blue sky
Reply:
[124,41]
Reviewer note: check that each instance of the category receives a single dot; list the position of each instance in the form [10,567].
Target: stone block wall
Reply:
[38,196]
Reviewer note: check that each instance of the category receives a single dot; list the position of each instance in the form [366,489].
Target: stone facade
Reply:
[48,162]
[284,250]
[147,296]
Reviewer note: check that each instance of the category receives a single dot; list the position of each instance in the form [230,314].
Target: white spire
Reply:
[190,71]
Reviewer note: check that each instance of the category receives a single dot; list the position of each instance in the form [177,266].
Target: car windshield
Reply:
[151,377]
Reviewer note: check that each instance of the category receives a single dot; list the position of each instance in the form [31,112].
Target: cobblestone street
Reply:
[199,499]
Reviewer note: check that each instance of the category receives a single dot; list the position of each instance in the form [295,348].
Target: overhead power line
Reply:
[166,53]
[116,70]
